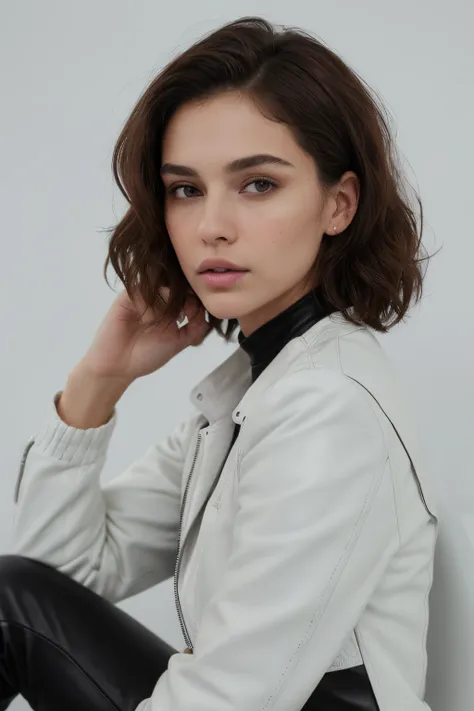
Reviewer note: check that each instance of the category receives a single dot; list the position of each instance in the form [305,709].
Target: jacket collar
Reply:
[230,387]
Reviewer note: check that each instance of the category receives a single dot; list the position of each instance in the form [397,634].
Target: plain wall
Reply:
[70,74]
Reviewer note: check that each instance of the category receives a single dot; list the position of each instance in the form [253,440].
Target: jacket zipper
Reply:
[184,630]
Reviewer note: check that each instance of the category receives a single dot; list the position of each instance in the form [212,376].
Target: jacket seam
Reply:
[327,332]
[425,635]
[376,411]
[311,629]
[397,518]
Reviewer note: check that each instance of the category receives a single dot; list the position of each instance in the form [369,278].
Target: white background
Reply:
[70,73]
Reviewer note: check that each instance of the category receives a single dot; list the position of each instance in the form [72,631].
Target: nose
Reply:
[216,220]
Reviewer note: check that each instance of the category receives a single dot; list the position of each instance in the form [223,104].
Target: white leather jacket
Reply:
[315,550]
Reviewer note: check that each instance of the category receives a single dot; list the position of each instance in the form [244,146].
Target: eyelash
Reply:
[271,182]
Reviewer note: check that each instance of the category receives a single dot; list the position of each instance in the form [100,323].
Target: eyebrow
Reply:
[234,167]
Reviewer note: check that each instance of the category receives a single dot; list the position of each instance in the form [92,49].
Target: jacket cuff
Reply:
[61,441]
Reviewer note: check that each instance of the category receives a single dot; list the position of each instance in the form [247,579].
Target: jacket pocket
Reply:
[16,493]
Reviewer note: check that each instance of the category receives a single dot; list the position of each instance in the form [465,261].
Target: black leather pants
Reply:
[65,648]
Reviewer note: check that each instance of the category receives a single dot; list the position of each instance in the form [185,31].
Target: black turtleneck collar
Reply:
[266,341]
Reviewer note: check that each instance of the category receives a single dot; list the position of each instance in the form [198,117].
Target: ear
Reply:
[345,199]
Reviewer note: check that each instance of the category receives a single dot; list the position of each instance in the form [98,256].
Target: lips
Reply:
[219,263]
[223,278]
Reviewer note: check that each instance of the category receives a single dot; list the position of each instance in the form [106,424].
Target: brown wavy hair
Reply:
[370,271]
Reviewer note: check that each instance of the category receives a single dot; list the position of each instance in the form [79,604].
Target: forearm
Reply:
[88,400]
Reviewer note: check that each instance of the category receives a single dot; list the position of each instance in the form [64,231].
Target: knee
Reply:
[26,586]
[17,570]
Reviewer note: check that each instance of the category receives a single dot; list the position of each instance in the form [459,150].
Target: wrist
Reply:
[88,400]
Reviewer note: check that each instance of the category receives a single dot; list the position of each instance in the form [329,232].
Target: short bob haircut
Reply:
[371,271]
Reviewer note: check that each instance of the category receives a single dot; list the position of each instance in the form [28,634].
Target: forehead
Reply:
[227,124]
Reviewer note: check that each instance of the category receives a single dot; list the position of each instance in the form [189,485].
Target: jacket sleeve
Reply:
[116,539]
[314,531]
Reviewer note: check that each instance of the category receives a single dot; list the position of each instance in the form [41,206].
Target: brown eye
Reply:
[172,191]
[262,182]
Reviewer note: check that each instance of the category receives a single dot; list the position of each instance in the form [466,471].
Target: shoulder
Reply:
[314,402]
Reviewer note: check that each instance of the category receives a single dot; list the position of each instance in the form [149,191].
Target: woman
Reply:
[291,508]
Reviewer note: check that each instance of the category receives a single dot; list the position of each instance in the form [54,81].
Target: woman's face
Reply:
[268,218]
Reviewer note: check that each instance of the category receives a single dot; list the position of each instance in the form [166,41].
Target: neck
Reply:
[265,342]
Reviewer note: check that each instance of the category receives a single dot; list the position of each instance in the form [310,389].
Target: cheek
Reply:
[268,228]
[170,220]
[176,231]
[282,219]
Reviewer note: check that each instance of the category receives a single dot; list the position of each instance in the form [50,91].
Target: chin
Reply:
[223,313]
[222,310]
[229,303]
